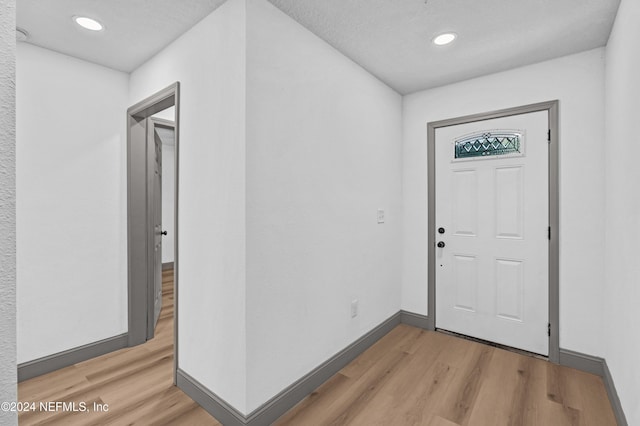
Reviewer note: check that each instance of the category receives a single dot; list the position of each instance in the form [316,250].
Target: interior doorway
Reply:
[165,132]
[144,213]
[162,133]
[493,227]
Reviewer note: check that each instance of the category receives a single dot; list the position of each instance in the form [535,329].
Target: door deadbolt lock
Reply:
[440,230]
[441,244]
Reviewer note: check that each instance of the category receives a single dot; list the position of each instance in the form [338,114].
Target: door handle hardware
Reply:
[441,244]
[164,232]
[440,230]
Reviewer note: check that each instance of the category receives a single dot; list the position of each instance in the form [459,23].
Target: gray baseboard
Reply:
[415,320]
[50,363]
[613,396]
[212,403]
[167,265]
[598,366]
[582,362]
[285,400]
[289,397]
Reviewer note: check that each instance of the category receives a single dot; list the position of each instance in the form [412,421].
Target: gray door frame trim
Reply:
[137,294]
[552,108]
[162,122]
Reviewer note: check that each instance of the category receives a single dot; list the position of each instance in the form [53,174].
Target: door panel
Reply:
[492,200]
[509,289]
[465,202]
[465,282]
[509,211]
[157,216]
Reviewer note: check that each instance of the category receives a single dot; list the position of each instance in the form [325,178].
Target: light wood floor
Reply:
[136,383]
[409,377]
[417,377]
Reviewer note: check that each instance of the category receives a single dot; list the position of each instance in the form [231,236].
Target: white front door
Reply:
[492,218]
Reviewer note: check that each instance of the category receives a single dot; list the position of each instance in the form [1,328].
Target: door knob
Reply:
[164,232]
[440,244]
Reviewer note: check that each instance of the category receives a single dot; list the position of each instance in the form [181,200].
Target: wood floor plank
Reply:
[389,342]
[462,392]
[318,402]
[411,342]
[500,384]
[418,406]
[439,421]
[595,402]
[444,380]
[43,388]
[414,388]
[136,384]
[357,397]
[409,377]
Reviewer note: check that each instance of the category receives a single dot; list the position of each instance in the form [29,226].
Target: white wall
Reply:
[166,114]
[577,81]
[287,151]
[209,62]
[8,376]
[71,226]
[323,154]
[622,289]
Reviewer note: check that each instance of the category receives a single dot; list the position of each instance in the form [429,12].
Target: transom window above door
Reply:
[489,144]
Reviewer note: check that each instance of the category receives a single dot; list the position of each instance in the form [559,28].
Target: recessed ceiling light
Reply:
[21,35]
[445,38]
[88,23]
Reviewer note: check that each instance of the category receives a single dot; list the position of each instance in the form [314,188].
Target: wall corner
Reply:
[8,369]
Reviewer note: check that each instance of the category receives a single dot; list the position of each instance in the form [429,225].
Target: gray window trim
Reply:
[554,217]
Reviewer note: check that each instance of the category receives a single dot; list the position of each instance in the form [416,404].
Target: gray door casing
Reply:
[554,311]
[141,226]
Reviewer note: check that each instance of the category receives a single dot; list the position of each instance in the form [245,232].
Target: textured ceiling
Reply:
[392,38]
[389,38]
[135,30]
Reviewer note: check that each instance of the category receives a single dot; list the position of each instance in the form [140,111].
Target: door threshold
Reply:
[494,344]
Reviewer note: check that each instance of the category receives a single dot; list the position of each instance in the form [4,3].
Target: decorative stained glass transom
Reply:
[489,144]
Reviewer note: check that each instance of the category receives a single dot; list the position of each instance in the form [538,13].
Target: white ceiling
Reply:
[135,30]
[389,38]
